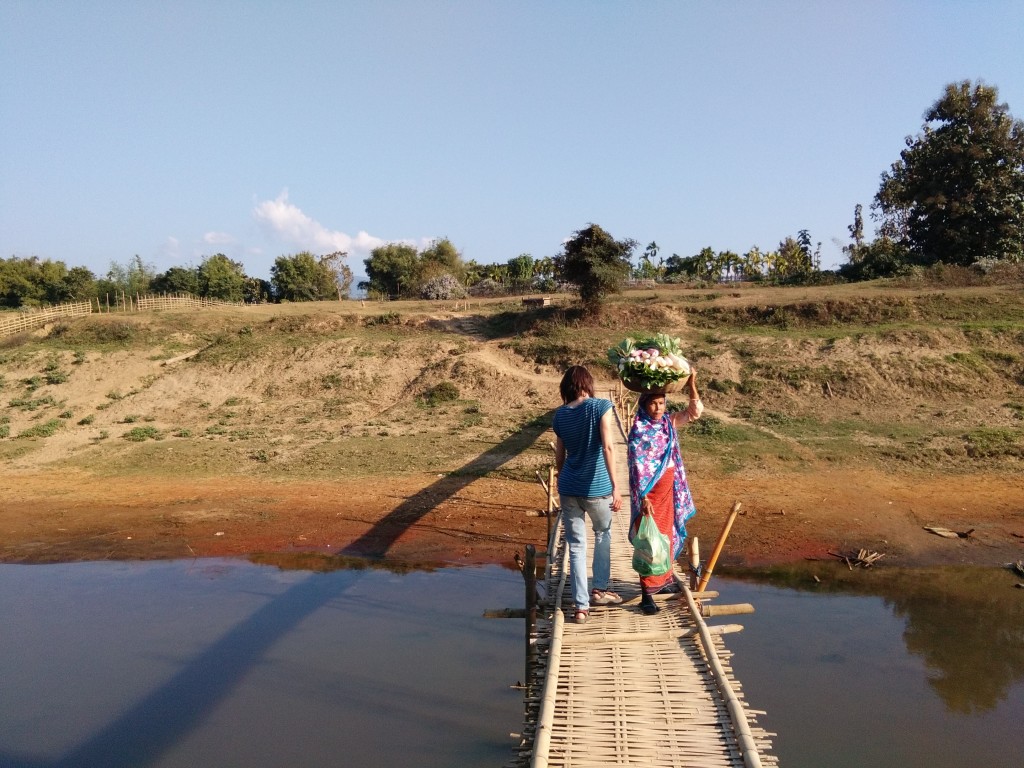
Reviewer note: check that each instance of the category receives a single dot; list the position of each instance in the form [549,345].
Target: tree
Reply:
[752,264]
[221,278]
[793,261]
[303,277]
[340,271]
[857,228]
[79,284]
[133,278]
[521,271]
[956,195]
[646,268]
[391,269]
[29,281]
[679,268]
[595,263]
[440,258]
[177,280]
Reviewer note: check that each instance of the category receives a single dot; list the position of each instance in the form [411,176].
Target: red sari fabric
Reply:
[663,499]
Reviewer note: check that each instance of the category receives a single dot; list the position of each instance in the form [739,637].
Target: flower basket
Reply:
[653,365]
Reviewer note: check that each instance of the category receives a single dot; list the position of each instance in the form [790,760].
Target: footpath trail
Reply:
[630,689]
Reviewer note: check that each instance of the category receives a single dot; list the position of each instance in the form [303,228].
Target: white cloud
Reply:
[287,223]
[218,238]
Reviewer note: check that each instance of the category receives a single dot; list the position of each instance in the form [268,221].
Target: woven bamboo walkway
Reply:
[630,689]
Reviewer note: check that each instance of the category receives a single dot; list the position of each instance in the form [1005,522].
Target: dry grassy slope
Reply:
[922,378]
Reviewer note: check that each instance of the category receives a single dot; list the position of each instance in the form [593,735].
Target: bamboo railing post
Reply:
[551,498]
[530,576]
[694,548]
[718,547]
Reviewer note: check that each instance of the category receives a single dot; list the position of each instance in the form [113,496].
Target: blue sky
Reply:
[176,130]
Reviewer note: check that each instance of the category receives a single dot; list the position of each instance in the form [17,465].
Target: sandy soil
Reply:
[439,519]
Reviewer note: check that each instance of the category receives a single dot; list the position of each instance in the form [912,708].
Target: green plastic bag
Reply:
[650,549]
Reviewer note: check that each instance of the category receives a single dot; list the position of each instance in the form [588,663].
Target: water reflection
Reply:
[966,624]
[226,663]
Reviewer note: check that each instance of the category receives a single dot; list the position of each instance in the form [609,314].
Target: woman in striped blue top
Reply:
[585,458]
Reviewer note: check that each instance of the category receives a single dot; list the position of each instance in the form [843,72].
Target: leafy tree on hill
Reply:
[956,195]
[441,257]
[391,269]
[521,271]
[596,263]
[33,281]
[221,278]
[304,277]
[133,278]
[177,280]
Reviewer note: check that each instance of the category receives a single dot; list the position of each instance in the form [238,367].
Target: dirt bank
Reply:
[50,517]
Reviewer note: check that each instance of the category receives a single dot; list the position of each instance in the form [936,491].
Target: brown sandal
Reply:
[581,616]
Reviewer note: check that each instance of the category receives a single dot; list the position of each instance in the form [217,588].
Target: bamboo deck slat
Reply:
[629,689]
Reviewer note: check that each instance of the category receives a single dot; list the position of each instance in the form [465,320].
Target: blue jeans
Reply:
[600,510]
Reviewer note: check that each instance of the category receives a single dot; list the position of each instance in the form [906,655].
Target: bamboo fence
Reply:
[17,322]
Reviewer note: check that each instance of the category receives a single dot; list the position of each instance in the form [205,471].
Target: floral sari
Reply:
[656,471]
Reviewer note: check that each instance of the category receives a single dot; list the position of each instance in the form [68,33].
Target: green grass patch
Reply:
[32,404]
[46,429]
[990,443]
[141,434]
[443,392]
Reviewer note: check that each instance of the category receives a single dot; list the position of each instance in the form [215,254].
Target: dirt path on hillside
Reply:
[68,516]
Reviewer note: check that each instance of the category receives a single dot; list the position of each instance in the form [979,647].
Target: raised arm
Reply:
[695,408]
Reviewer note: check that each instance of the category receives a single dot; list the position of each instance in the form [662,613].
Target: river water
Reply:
[232,663]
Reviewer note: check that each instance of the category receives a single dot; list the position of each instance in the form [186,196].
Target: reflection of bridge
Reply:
[630,689]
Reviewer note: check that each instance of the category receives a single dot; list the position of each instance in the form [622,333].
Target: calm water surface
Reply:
[227,663]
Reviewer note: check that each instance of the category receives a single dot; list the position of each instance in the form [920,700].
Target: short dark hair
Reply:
[576,381]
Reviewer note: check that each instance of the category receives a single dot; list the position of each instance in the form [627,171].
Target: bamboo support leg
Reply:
[718,547]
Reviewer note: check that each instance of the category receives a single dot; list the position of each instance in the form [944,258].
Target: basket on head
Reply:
[634,385]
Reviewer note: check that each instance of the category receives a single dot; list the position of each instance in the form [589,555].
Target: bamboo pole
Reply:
[530,575]
[718,547]
[551,497]
[744,738]
[694,547]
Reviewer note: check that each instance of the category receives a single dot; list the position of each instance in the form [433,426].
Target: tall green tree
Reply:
[596,263]
[441,257]
[521,271]
[392,269]
[956,195]
[646,268]
[303,277]
[177,280]
[221,278]
[33,281]
[132,278]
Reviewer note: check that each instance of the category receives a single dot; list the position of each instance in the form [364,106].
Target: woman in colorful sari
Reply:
[657,479]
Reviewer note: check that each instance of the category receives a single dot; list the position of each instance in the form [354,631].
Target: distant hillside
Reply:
[793,377]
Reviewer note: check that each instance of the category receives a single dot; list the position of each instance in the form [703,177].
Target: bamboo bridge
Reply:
[625,688]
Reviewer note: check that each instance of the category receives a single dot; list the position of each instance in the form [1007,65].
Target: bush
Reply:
[388,318]
[46,429]
[445,392]
[140,434]
[487,287]
[442,288]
